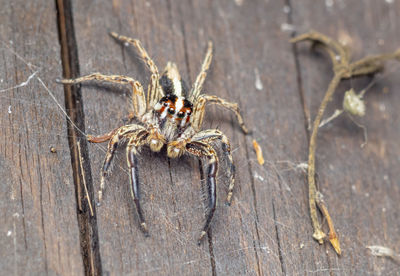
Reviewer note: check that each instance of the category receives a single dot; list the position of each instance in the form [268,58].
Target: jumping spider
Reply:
[170,115]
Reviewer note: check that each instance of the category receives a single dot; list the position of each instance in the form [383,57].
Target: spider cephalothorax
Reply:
[171,115]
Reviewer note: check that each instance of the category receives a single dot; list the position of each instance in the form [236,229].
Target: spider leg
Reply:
[138,98]
[198,84]
[101,138]
[199,109]
[112,146]
[131,152]
[143,53]
[203,149]
[154,91]
[211,135]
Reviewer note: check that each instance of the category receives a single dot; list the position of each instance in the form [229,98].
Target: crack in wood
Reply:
[278,239]
[211,250]
[42,218]
[73,104]
[306,111]
[185,47]
[253,190]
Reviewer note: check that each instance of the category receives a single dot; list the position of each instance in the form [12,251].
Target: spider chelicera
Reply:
[170,115]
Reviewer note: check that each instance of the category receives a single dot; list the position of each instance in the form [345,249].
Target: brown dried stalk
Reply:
[333,237]
[343,69]
[84,181]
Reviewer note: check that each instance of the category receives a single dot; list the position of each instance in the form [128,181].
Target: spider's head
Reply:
[174,108]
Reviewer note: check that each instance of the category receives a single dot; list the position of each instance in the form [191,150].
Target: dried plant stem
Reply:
[319,235]
[336,114]
[343,69]
[84,181]
[333,237]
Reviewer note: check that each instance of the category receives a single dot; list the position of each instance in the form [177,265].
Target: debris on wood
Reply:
[259,154]
[258,84]
[354,103]
[382,251]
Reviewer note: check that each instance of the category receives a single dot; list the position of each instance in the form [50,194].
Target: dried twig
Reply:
[335,114]
[333,237]
[84,181]
[343,69]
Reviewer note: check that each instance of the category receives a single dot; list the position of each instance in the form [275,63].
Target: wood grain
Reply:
[38,226]
[267,230]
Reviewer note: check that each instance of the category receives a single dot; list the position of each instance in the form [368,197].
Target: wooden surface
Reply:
[46,227]
[39,230]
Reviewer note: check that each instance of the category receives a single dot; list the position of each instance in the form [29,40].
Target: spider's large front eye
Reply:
[181,114]
[165,104]
[171,111]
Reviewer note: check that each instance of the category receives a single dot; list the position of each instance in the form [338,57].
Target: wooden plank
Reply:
[266,198]
[171,206]
[242,234]
[39,230]
[180,33]
[267,229]
[361,185]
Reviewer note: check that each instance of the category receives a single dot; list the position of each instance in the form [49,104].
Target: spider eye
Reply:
[171,111]
[165,104]
[181,114]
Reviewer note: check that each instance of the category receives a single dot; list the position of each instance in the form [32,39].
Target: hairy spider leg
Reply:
[154,92]
[112,146]
[226,148]
[131,152]
[210,135]
[198,84]
[204,150]
[138,98]
[101,138]
[199,110]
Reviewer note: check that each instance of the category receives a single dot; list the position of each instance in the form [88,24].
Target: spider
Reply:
[170,115]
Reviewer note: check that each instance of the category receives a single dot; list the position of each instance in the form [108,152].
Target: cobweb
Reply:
[280,172]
